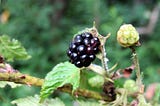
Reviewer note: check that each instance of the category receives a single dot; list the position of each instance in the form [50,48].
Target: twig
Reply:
[102,56]
[21,79]
[85,93]
[138,73]
[104,59]
[30,80]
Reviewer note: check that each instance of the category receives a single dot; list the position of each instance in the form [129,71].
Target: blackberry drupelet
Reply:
[83,49]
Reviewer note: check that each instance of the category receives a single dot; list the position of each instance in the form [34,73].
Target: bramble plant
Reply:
[86,46]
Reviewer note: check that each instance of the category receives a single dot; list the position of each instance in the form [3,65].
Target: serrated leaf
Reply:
[12,49]
[88,103]
[34,101]
[11,84]
[61,74]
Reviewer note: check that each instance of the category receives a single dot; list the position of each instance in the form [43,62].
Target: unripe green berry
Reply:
[127,35]
[131,86]
[96,81]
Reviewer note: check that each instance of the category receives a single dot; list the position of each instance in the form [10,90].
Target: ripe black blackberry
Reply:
[82,49]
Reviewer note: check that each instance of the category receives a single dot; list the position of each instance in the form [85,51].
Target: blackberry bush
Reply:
[83,49]
[66,77]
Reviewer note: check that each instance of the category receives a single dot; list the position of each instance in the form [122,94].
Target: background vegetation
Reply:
[45,28]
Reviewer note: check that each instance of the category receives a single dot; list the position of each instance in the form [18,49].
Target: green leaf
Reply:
[61,74]
[34,101]
[12,84]
[12,49]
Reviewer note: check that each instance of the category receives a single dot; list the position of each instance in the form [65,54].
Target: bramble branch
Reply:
[34,81]
[21,78]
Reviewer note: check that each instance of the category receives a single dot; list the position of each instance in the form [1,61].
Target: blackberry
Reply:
[78,37]
[69,53]
[92,57]
[78,64]
[74,56]
[87,42]
[88,35]
[83,57]
[89,50]
[83,49]
[72,46]
[95,50]
[95,42]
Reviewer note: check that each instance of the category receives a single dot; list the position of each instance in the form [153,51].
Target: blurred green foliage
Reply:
[45,28]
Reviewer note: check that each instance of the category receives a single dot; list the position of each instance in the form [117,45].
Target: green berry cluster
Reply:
[127,35]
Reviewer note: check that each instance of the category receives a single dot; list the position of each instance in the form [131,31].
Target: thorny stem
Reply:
[138,73]
[20,78]
[85,93]
[104,59]
[102,56]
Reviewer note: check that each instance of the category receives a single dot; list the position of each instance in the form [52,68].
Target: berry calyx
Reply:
[83,49]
